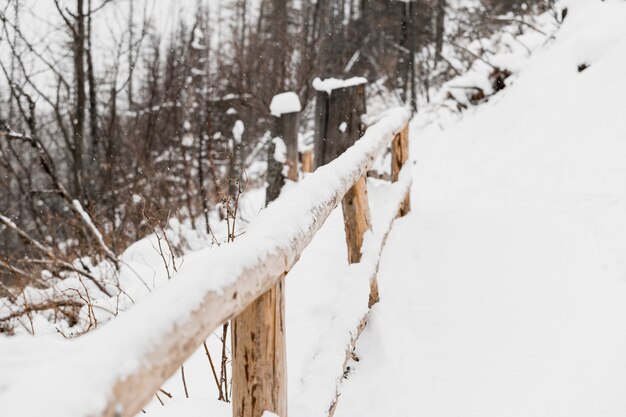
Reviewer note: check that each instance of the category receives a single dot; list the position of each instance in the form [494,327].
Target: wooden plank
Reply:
[356,218]
[336,131]
[308,165]
[259,356]
[338,121]
[259,361]
[340,129]
[344,127]
[116,375]
[322,101]
[340,133]
[399,156]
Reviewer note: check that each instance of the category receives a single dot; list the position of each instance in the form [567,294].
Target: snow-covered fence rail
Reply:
[115,370]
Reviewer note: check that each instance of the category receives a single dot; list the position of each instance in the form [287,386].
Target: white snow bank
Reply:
[284,103]
[504,292]
[330,84]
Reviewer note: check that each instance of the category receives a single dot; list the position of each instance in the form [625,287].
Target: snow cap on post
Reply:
[284,103]
[330,84]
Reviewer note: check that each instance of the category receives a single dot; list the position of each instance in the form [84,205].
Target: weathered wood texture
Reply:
[259,356]
[286,128]
[399,156]
[337,127]
[308,164]
[356,218]
[357,221]
[259,361]
[337,121]
[137,366]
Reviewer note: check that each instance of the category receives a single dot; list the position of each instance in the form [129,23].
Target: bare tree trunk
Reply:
[93,104]
[78,122]
[440,29]
[131,39]
[16,5]
[412,51]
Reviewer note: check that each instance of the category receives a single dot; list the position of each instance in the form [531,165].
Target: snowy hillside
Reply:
[504,292]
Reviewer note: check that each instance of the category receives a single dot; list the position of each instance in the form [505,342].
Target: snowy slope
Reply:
[503,293]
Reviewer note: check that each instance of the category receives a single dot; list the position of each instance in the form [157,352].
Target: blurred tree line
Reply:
[150,135]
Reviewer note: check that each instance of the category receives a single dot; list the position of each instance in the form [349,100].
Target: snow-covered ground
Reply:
[334,298]
[503,293]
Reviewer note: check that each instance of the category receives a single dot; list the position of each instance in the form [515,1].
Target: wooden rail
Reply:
[115,370]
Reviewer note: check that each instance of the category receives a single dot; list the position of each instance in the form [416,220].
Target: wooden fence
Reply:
[117,369]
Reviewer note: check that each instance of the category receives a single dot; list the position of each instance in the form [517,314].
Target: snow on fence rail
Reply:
[115,370]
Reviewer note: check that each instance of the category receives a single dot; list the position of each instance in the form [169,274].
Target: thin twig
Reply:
[182,372]
[223,371]
[48,305]
[167,394]
[217,382]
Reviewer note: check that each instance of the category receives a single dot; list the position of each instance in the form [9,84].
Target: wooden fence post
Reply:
[284,109]
[258,333]
[399,156]
[286,128]
[259,356]
[338,110]
[338,125]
